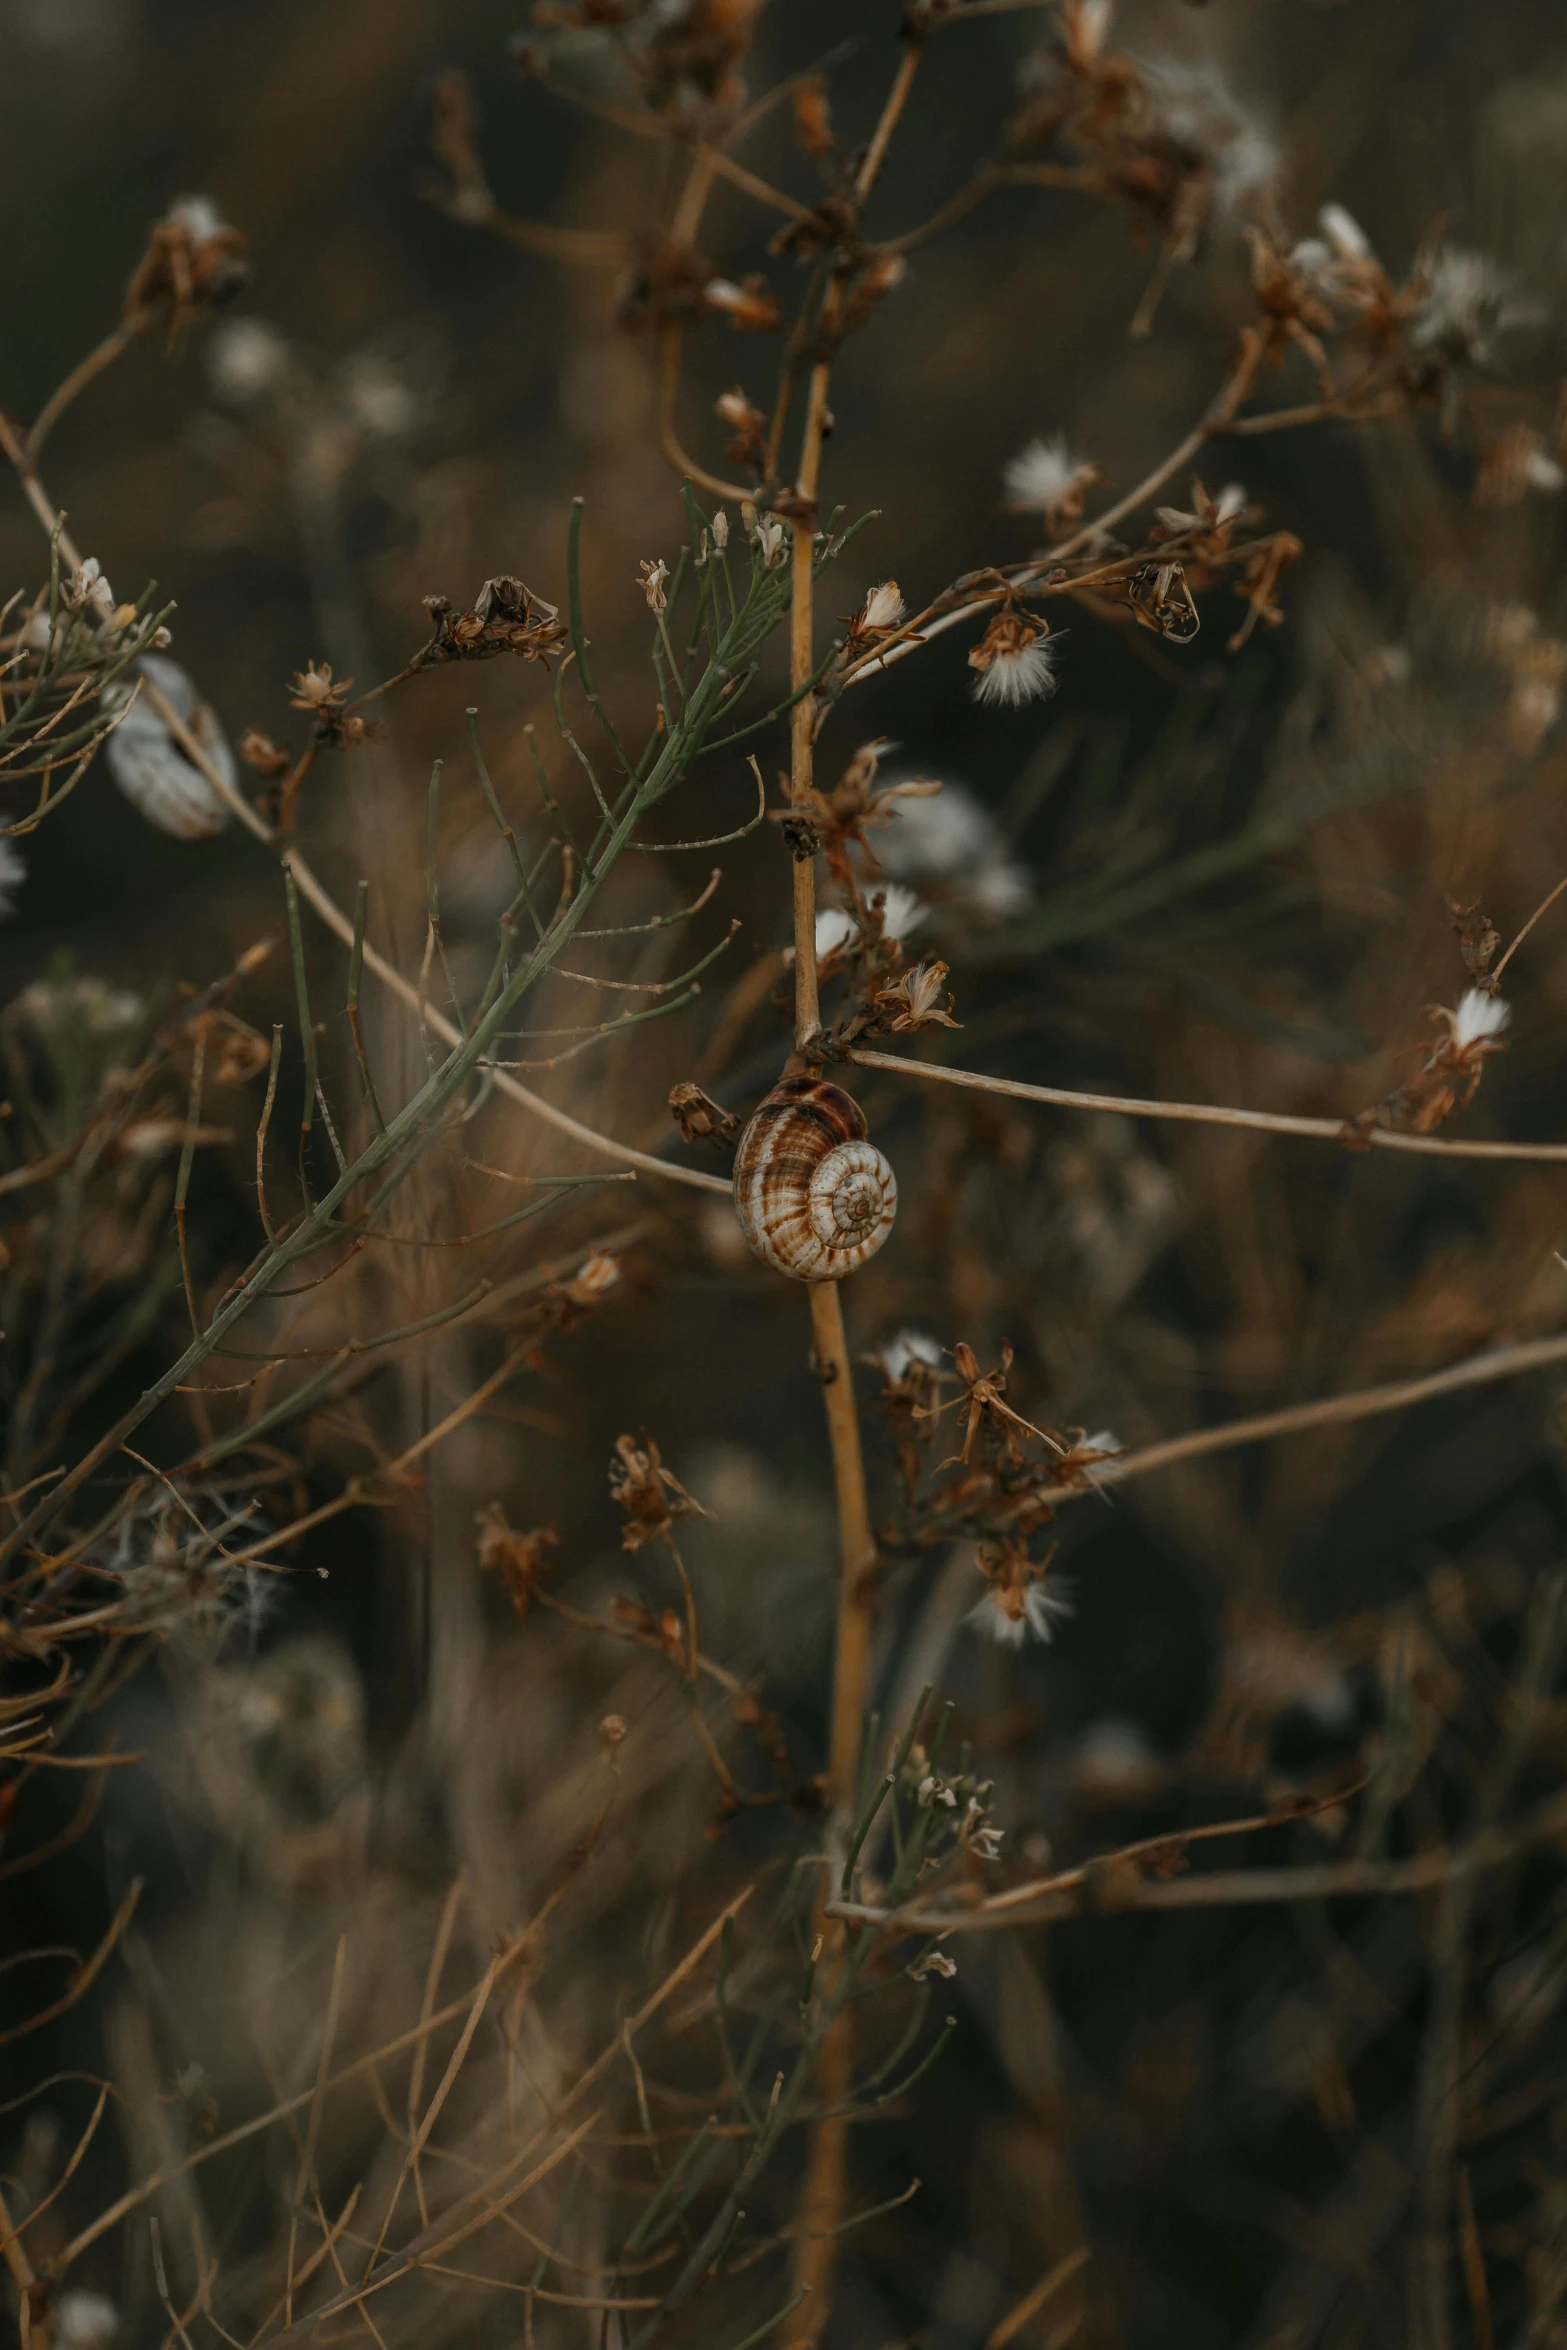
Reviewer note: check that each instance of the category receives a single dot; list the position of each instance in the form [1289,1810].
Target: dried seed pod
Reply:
[148,764]
[813,1197]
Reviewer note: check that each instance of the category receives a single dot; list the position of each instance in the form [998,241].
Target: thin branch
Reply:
[1214,1114]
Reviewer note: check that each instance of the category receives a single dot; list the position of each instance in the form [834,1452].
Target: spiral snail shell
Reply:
[814,1198]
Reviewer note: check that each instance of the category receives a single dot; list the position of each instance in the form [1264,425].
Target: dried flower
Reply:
[593,1280]
[934,1962]
[258,750]
[520,1558]
[1018,1602]
[651,578]
[1161,600]
[910,1002]
[1015,660]
[752,306]
[748,427]
[720,530]
[314,690]
[768,537]
[898,910]
[1046,478]
[88,592]
[836,931]
[1467,302]
[699,1117]
[975,1833]
[882,609]
[194,261]
[651,1495]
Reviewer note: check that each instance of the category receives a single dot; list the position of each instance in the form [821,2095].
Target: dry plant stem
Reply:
[1213,1114]
[826,2174]
[1361,1403]
[33,2329]
[1097,1888]
[337,921]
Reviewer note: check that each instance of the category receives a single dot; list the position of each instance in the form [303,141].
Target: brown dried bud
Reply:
[802,838]
[258,750]
[699,1117]
[194,261]
[812,119]
[520,1558]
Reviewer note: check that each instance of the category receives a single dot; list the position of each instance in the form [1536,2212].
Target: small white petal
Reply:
[901,911]
[909,1346]
[834,929]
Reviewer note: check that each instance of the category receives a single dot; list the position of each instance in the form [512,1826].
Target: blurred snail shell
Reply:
[149,765]
[814,1198]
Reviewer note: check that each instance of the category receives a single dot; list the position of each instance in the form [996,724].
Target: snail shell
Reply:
[814,1198]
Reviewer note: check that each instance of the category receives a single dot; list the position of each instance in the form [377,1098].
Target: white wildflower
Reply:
[1041,1610]
[977,1835]
[770,541]
[1046,477]
[901,911]
[1478,1016]
[246,359]
[835,930]
[906,1347]
[1015,660]
[88,591]
[12,875]
[1468,302]
[883,607]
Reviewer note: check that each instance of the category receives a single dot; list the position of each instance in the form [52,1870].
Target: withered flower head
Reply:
[1047,479]
[651,578]
[505,617]
[748,426]
[699,1117]
[753,306]
[651,1495]
[1018,1601]
[315,691]
[1015,661]
[520,1558]
[594,1280]
[911,1002]
[258,750]
[1161,600]
[194,261]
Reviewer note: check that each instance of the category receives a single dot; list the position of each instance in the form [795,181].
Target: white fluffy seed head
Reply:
[1479,1016]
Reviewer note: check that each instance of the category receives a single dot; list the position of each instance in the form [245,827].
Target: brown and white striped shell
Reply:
[814,1198]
